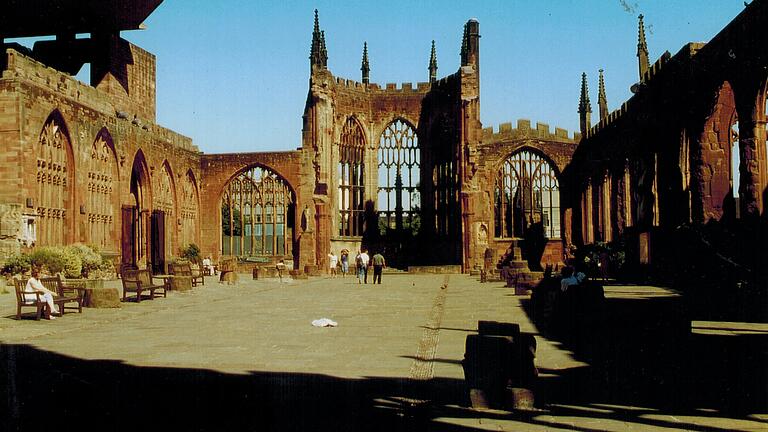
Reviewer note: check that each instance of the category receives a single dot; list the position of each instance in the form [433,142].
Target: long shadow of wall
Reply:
[42,388]
[641,353]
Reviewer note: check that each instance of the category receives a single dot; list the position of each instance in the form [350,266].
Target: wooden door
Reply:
[128,237]
[158,242]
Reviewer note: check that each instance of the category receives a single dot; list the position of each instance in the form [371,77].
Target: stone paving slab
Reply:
[411,328]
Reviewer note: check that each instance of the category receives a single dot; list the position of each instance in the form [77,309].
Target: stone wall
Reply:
[32,94]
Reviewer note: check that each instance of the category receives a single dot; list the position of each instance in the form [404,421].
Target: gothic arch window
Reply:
[255,212]
[102,177]
[53,181]
[189,209]
[526,194]
[399,199]
[351,178]
[735,157]
[445,196]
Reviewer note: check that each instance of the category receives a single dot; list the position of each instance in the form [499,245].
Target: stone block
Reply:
[180,283]
[102,297]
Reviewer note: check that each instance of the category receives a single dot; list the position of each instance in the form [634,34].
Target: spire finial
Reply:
[642,49]
[464,43]
[433,64]
[585,108]
[365,68]
[602,101]
[318,55]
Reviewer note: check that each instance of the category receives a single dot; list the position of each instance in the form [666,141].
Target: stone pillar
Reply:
[322,236]
[10,229]
[751,182]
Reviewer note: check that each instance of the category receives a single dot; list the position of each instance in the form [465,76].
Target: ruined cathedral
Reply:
[403,168]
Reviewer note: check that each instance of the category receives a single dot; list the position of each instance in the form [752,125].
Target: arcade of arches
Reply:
[407,170]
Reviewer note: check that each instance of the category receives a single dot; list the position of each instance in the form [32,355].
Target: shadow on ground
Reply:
[42,387]
[644,365]
[641,353]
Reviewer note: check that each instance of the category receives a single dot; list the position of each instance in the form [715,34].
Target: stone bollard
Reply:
[487,362]
[499,367]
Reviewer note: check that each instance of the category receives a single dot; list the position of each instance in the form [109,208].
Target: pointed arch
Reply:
[399,176]
[141,187]
[190,207]
[165,191]
[351,178]
[55,182]
[135,218]
[257,208]
[101,200]
[527,192]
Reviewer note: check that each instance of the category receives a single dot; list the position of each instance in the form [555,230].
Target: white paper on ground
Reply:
[324,322]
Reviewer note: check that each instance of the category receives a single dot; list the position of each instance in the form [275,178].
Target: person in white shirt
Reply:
[34,285]
[333,261]
[365,259]
[208,266]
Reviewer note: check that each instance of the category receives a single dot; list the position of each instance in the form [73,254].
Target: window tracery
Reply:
[52,183]
[255,214]
[399,198]
[189,209]
[527,193]
[102,171]
[351,179]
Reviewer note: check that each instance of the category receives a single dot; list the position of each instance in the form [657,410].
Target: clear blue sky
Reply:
[233,74]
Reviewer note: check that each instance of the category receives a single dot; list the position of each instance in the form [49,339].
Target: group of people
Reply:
[362,262]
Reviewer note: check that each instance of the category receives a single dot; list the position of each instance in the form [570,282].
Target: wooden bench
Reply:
[64,294]
[185,269]
[139,281]
[23,301]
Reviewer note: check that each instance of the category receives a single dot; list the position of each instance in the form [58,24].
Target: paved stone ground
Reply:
[246,357]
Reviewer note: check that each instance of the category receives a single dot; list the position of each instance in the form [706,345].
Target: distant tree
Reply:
[236,221]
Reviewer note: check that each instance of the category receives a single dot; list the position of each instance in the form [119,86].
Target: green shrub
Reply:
[58,259]
[16,264]
[190,252]
[48,259]
[91,260]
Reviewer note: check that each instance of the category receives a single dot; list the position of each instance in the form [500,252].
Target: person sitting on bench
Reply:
[210,269]
[34,285]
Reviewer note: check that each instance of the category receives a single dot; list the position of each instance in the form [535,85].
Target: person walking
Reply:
[378,265]
[333,262]
[366,259]
[359,267]
[344,262]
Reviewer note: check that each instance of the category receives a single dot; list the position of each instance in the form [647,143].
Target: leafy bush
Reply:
[16,264]
[191,252]
[91,260]
[593,255]
[58,259]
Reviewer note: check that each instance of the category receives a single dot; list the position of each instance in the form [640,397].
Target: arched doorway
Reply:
[164,217]
[257,216]
[135,215]
[526,196]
